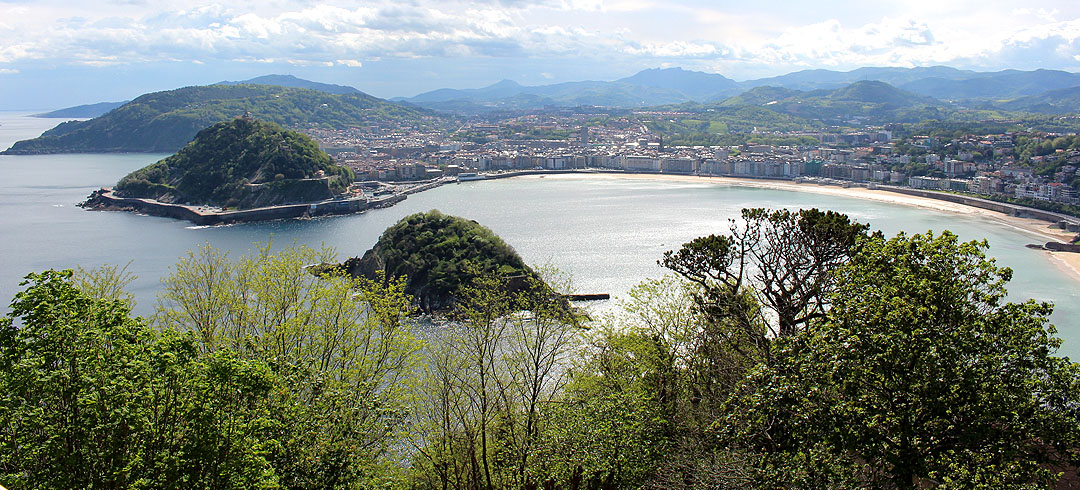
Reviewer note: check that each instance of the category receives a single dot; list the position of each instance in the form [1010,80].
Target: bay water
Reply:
[607,234]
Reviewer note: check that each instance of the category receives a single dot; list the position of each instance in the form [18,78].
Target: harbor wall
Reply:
[105,199]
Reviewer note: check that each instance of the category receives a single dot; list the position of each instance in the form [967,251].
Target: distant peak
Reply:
[506,82]
[292,81]
[273,77]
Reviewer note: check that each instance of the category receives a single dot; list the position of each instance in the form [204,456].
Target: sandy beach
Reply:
[1069,263]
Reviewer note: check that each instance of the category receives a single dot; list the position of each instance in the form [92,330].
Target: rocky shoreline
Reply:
[105,199]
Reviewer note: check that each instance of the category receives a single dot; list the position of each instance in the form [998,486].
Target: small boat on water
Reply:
[467,176]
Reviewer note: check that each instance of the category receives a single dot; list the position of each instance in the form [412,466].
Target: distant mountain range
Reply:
[675,85]
[875,101]
[783,109]
[646,88]
[1003,90]
[509,95]
[165,121]
[1066,100]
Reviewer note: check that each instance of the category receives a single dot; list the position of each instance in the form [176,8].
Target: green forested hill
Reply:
[766,109]
[1062,101]
[240,163]
[875,101]
[166,121]
[759,96]
[439,254]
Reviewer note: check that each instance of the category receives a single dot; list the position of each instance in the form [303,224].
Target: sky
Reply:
[59,53]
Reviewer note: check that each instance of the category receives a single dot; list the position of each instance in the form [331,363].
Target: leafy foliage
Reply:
[894,364]
[95,398]
[243,163]
[484,410]
[780,259]
[439,255]
[919,371]
[257,378]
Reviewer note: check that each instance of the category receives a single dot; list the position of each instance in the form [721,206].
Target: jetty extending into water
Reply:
[106,200]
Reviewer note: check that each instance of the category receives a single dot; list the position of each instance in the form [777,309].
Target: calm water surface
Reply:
[607,234]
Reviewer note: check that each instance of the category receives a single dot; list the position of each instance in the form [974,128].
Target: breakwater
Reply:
[105,200]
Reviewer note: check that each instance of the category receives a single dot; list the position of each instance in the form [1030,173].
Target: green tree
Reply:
[106,282]
[342,346]
[920,374]
[262,374]
[537,353]
[491,374]
[708,358]
[67,372]
[615,422]
[93,398]
[783,258]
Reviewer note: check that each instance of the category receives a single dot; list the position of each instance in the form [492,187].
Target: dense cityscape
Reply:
[992,165]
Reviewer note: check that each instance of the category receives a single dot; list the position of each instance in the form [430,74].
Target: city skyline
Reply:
[55,54]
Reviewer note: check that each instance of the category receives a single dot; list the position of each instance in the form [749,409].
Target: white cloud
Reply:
[8,71]
[343,33]
[678,49]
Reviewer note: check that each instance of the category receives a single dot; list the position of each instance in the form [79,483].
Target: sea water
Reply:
[606,234]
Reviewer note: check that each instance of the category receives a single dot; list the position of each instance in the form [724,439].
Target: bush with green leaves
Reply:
[258,374]
[921,375]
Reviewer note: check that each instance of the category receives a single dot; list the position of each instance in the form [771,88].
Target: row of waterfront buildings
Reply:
[967,177]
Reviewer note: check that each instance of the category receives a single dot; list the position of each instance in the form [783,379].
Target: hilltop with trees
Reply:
[438,255]
[241,163]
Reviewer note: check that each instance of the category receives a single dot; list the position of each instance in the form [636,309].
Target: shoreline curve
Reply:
[1067,262]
